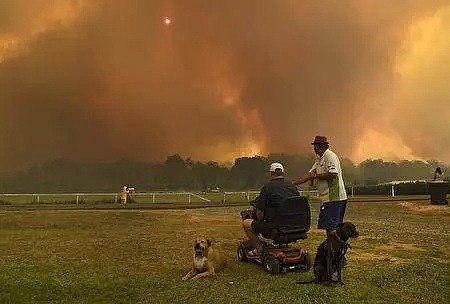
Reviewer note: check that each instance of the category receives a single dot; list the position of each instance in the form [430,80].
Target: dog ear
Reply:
[349,229]
[208,242]
[345,228]
[354,231]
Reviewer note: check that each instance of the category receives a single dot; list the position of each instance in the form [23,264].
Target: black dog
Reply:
[330,255]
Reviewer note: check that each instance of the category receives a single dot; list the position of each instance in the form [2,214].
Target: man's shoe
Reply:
[253,254]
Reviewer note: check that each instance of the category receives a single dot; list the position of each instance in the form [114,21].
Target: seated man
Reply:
[266,204]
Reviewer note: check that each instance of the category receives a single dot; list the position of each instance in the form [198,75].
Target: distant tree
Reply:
[176,172]
[249,172]
[63,175]
[350,172]
[209,175]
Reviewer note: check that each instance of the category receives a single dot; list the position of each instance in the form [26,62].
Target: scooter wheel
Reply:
[241,253]
[271,264]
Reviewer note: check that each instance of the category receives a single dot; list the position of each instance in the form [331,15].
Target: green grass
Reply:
[137,256]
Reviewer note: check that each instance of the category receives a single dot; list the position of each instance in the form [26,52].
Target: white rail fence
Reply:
[151,197]
[140,197]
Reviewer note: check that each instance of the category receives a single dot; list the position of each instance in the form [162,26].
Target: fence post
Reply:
[153,198]
[392,191]
[77,199]
[115,198]
[189,197]
[38,199]
[352,191]
[224,199]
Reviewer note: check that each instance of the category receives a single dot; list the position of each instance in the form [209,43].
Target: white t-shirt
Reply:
[330,190]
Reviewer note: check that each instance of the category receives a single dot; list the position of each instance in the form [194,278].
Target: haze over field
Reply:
[101,80]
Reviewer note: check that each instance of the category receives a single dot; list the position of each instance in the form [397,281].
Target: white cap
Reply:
[274,166]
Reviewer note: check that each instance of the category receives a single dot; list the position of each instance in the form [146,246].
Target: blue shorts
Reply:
[331,215]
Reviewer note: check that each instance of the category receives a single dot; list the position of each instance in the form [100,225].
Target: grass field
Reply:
[139,256]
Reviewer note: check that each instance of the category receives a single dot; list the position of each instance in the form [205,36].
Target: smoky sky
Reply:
[106,80]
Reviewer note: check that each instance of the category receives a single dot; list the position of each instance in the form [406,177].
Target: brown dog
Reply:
[207,261]
[330,255]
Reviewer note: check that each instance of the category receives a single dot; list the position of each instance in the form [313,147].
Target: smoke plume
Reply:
[97,80]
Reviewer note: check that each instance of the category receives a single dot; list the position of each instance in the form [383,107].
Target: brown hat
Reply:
[320,140]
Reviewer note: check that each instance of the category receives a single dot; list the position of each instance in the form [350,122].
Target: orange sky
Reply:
[103,80]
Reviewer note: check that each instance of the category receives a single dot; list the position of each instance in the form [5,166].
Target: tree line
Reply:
[177,173]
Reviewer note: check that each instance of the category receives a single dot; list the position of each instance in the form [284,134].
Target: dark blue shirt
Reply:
[272,194]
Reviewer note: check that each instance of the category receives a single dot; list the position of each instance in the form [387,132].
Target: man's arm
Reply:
[312,175]
[308,176]
[325,176]
[260,204]
[332,163]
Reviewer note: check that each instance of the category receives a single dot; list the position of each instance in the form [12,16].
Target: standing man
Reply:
[123,196]
[327,174]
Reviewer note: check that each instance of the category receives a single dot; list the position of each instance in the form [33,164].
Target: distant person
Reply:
[438,176]
[123,196]
[266,204]
[326,173]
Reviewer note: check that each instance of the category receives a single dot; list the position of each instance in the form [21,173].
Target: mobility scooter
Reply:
[292,223]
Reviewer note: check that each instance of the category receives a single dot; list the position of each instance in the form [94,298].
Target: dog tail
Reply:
[306,282]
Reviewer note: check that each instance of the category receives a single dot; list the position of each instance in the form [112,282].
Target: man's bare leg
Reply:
[252,235]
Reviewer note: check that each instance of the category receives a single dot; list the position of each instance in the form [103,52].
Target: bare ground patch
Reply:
[371,257]
[384,251]
[426,208]
[395,246]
